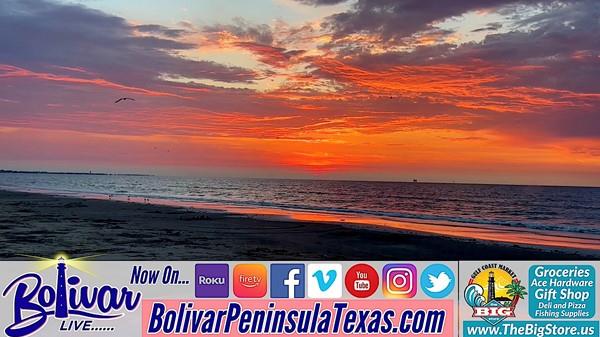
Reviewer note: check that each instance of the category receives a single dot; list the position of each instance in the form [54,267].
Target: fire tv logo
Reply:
[250,280]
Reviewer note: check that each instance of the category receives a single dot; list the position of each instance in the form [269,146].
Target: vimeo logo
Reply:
[287,280]
[324,280]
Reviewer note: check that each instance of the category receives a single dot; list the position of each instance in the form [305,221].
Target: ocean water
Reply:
[564,209]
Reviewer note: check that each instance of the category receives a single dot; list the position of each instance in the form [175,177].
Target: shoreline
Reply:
[42,224]
[499,234]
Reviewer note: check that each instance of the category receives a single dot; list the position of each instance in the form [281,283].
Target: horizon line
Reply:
[415,181]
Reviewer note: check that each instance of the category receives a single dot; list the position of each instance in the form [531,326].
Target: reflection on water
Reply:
[564,216]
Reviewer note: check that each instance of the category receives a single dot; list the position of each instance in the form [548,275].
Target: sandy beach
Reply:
[42,225]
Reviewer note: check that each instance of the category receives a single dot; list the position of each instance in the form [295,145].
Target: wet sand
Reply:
[43,225]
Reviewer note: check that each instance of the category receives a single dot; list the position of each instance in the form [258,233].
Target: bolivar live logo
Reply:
[35,301]
[493,293]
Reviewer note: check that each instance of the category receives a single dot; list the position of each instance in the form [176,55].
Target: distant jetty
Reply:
[77,173]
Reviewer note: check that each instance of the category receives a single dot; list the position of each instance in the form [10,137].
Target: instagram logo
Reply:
[399,280]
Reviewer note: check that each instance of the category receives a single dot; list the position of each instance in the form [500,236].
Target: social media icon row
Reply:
[287,280]
[320,280]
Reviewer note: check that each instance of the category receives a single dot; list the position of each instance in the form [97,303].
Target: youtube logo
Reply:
[361,280]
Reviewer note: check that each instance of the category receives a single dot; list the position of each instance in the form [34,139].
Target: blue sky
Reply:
[200,12]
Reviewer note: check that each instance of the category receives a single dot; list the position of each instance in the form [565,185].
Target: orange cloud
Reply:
[8,71]
[274,56]
[467,86]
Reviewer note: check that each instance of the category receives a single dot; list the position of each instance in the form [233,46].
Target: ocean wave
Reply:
[568,210]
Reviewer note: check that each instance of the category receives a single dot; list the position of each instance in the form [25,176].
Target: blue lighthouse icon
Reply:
[61,290]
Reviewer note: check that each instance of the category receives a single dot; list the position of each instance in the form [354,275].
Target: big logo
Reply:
[493,293]
[35,302]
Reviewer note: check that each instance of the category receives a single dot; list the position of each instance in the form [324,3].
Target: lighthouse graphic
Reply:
[61,290]
[491,287]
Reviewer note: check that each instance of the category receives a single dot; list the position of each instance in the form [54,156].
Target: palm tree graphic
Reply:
[516,290]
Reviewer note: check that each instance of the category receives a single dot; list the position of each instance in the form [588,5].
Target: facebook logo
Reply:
[287,280]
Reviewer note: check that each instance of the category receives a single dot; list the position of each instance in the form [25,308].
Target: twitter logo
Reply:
[437,280]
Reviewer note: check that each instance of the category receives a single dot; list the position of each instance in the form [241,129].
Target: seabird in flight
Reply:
[124,99]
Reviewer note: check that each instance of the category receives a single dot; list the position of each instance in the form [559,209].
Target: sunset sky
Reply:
[499,91]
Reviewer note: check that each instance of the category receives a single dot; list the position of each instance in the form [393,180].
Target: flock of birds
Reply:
[110,197]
